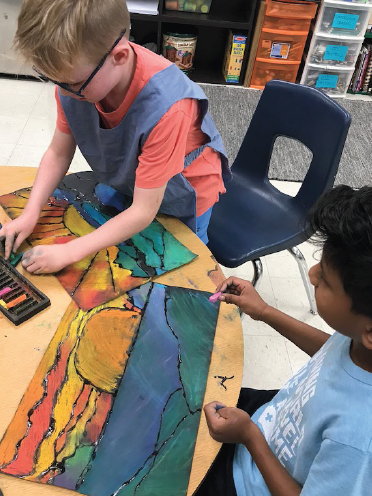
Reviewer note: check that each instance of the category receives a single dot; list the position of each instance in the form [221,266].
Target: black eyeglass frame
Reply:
[67,87]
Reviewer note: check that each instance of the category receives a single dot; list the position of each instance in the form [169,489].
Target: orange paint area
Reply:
[69,400]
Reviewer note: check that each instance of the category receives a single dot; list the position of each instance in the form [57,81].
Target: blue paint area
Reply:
[149,441]
[150,378]
[109,196]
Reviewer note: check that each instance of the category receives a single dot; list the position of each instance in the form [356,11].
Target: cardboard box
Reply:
[234,57]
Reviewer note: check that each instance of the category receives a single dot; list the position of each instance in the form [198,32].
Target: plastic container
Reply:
[286,24]
[343,18]
[301,10]
[332,80]
[180,49]
[337,51]
[266,70]
[201,6]
[281,45]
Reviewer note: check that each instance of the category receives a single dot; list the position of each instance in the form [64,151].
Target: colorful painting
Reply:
[115,404]
[81,205]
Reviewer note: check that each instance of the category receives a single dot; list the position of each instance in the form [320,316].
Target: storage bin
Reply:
[334,50]
[282,45]
[286,24]
[301,10]
[201,6]
[180,48]
[332,80]
[343,18]
[266,70]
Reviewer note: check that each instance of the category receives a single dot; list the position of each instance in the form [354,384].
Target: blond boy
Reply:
[141,124]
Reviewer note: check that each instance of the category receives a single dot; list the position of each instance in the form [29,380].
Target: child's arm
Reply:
[243,294]
[232,425]
[52,169]
[145,206]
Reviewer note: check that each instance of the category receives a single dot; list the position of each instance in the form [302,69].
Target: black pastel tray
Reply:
[35,302]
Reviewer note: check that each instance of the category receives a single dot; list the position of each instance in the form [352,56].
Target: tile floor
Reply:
[27,119]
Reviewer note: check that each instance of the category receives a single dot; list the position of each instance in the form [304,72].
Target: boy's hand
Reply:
[16,231]
[242,294]
[229,425]
[47,259]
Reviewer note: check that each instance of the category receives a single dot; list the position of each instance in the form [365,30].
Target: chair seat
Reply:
[263,221]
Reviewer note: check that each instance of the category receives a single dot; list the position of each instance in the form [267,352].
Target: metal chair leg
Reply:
[258,271]
[302,265]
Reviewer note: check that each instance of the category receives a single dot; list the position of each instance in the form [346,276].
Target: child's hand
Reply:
[229,425]
[47,259]
[242,294]
[16,231]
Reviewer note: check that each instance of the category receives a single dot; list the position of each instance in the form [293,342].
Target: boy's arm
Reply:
[308,338]
[46,259]
[243,294]
[52,169]
[145,206]
[232,425]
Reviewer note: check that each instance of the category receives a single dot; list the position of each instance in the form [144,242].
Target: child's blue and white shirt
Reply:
[320,428]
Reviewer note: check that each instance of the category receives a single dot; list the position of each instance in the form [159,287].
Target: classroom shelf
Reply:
[212,30]
[204,20]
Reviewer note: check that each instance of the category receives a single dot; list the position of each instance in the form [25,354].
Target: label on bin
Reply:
[326,81]
[280,50]
[336,52]
[345,21]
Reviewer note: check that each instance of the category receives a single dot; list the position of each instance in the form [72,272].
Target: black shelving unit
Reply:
[212,30]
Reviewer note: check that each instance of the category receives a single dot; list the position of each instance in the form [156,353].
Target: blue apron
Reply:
[113,153]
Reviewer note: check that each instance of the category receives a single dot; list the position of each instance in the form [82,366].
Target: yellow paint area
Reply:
[102,351]
[75,222]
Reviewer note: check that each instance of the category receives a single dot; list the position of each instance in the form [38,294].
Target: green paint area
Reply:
[174,412]
[76,465]
[164,477]
[196,338]
[157,247]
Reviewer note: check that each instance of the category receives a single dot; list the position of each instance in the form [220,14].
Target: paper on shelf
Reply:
[150,7]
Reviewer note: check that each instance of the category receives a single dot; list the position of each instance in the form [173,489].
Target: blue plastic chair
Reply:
[254,218]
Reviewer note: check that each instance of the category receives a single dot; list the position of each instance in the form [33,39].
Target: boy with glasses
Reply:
[140,123]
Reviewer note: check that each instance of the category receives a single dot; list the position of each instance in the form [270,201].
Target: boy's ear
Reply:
[121,53]
[367,335]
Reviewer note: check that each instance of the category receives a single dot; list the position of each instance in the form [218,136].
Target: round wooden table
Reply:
[21,348]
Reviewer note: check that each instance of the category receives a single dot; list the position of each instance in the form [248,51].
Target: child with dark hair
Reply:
[314,436]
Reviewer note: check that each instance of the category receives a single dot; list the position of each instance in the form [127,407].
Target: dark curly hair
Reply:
[342,221]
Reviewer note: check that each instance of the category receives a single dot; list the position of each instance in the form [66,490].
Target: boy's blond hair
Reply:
[54,35]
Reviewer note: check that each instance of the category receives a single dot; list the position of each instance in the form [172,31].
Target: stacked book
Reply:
[362,77]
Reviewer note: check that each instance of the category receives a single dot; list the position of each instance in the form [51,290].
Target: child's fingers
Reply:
[9,242]
[212,410]
[225,284]
[230,298]
[18,241]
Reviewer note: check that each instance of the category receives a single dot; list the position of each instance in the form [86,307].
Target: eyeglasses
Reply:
[67,87]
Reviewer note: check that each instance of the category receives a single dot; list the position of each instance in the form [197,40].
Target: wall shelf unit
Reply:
[212,30]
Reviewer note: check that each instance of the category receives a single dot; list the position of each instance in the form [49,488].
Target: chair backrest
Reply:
[302,113]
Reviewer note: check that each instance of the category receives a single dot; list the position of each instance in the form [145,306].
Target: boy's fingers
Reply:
[230,298]
[9,242]
[19,240]
[225,284]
